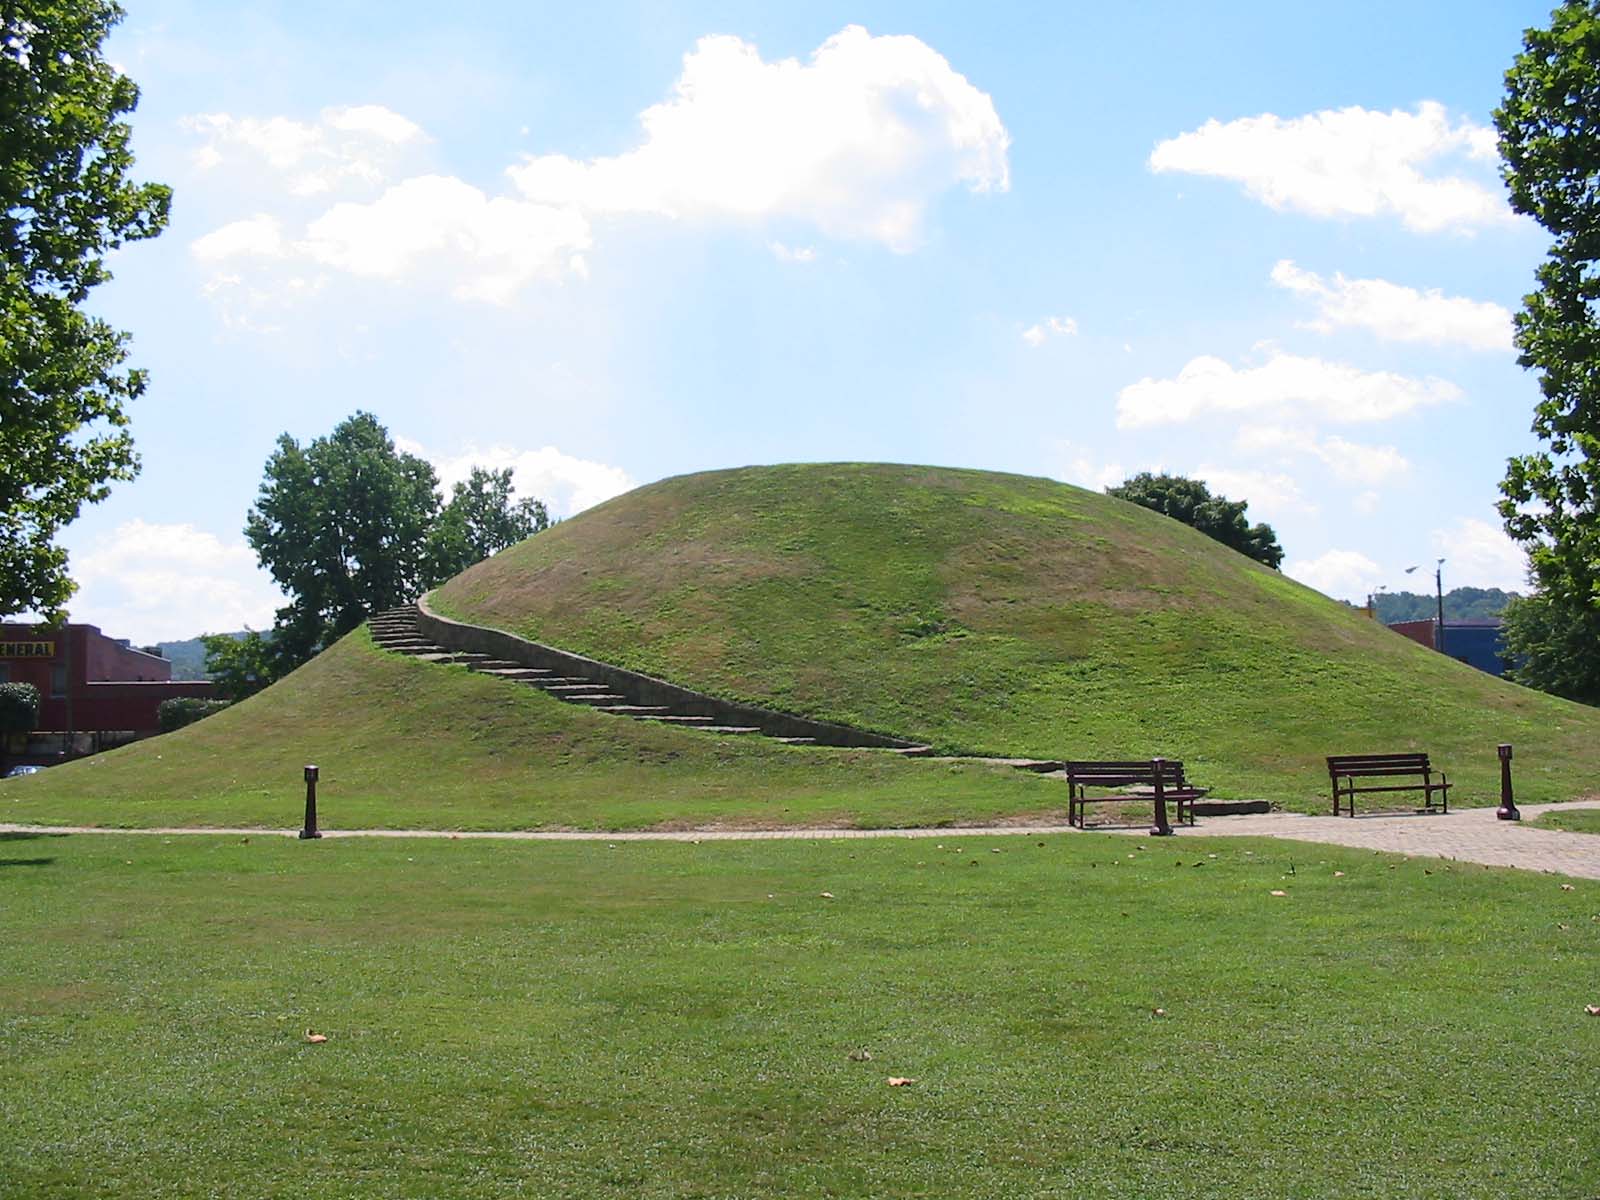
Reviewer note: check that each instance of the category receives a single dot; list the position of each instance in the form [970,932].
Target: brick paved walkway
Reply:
[1470,835]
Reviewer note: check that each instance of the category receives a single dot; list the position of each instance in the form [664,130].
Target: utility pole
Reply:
[1438,590]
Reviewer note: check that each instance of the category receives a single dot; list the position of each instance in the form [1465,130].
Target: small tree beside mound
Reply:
[19,714]
[185,710]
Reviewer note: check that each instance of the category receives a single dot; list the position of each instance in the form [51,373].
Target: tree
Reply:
[1190,501]
[1548,649]
[1549,126]
[240,666]
[479,520]
[66,201]
[341,526]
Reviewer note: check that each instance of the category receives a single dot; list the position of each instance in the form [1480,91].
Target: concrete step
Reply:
[569,685]
[522,673]
[673,720]
[496,664]
[797,741]
[596,699]
[729,728]
[911,751]
[636,710]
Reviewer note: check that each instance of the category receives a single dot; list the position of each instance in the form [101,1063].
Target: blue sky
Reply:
[1264,244]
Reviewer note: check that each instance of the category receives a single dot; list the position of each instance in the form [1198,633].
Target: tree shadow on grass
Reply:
[25,862]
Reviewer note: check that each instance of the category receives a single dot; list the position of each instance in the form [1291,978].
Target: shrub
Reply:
[19,707]
[185,710]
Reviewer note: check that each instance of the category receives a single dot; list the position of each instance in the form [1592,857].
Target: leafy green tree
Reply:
[1549,125]
[341,525]
[1460,604]
[1549,649]
[479,520]
[241,666]
[1190,501]
[65,201]
[19,714]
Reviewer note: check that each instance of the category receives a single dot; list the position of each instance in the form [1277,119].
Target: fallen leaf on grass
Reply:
[315,1038]
[900,1081]
[1567,887]
[1592,1009]
[1276,892]
[861,1055]
[827,895]
[1158,1012]
[1338,874]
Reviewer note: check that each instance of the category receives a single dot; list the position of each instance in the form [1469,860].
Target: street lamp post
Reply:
[1438,590]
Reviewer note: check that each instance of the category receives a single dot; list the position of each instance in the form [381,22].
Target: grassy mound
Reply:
[1012,616]
[408,745]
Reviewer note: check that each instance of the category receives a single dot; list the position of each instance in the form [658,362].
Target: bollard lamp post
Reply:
[310,829]
[1508,806]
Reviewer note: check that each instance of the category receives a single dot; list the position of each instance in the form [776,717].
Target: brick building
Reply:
[89,683]
[1475,642]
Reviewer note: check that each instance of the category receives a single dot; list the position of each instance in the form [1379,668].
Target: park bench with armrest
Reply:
[1155,779]
[1345,769]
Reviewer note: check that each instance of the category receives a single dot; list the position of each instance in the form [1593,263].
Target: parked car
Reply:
[22,770]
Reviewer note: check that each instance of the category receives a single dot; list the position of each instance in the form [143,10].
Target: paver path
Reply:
[1470,835]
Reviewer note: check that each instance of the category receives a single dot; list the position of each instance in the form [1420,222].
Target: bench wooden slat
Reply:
[1119,773]
[1345,769]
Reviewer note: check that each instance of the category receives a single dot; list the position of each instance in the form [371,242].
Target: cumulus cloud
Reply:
[1039,334]
[357,144]
[1479,554]
[260,236]
[1353,162]
[495,246]
[1080,465]
[1343,574]
[154,582]
[1397,313]
[857,141]
[793,254]
[1349,462]
[1285,386]
[566,484]
[1264,491]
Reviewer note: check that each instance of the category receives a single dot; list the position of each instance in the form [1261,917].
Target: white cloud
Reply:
[566,484]
[1262,490]
[493,246]
[1081,466]
[856,142]
[1038,335]
[1397,313]
[153,582]
[794,254]
[359,144]
[1352,162]
[1478,554]
[1285,385]
[1343,574]
[260,236]
[1349,462]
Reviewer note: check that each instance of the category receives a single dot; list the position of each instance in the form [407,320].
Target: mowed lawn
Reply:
[1580,820]
[673,1019]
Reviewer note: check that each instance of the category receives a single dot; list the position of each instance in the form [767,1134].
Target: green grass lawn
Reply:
[410,745]
[676,1020]
[1012,616]
[1580,820]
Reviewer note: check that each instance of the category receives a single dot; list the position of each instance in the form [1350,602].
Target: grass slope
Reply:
[1012,616]
[410,745]
[676,1020]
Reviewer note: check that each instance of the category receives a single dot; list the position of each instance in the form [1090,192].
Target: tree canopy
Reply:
[1549,126]
[65,201]
[1191,501]
[480,519]
[349,526]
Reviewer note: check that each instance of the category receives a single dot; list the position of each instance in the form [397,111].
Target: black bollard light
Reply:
[1508,806]
[310,830]
[1162,828]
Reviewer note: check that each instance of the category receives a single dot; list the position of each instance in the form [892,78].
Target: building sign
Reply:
[27,649]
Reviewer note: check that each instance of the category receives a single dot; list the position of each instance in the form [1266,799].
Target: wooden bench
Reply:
[1158,780]
[1345,769]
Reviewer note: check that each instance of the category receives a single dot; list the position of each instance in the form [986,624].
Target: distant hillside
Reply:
[188,658]
[1460,604]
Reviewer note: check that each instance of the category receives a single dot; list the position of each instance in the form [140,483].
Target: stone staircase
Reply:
[398,631]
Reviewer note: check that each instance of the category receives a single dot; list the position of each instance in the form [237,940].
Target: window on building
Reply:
[5,672]
[58,682]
